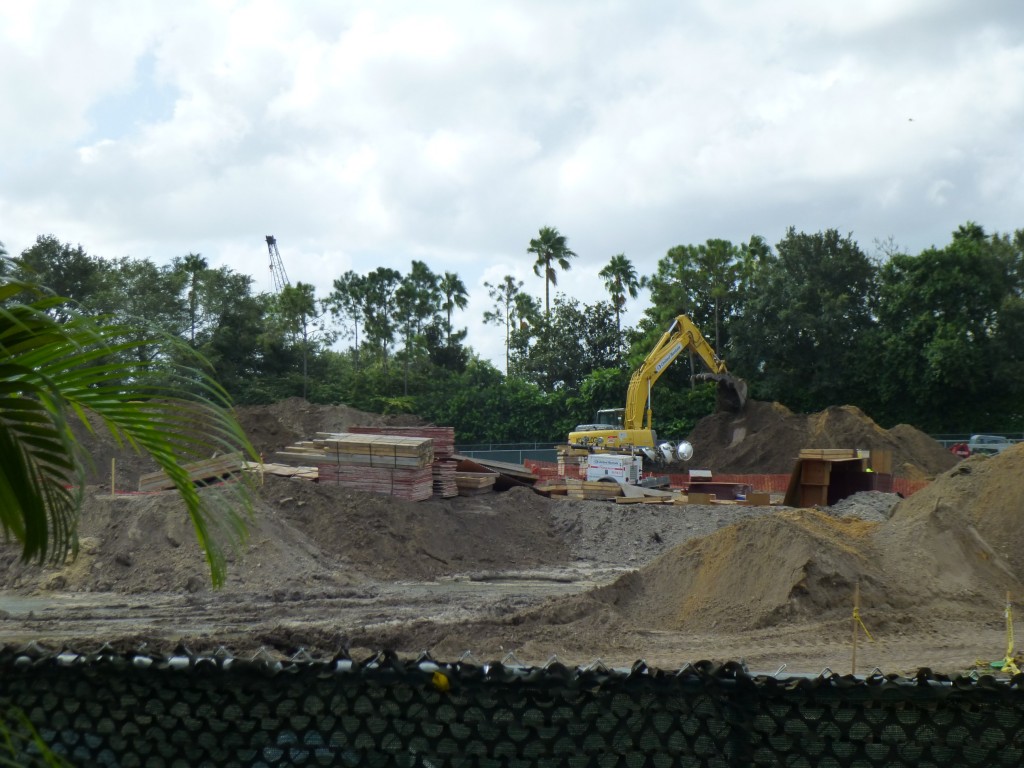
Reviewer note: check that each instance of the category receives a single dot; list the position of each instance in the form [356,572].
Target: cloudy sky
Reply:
[366,134]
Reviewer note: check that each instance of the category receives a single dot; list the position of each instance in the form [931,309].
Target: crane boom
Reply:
[277,274]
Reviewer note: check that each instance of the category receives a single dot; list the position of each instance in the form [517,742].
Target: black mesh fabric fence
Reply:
[116,709]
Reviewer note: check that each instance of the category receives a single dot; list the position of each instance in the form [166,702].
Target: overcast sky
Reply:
[366,134]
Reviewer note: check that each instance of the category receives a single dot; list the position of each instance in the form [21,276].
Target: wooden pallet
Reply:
[201,472]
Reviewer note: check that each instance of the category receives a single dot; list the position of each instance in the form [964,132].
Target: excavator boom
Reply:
[637,430]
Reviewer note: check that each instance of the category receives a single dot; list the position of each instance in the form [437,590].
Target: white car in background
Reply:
[988,444]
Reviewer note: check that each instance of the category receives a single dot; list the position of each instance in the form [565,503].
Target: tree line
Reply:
[932,339]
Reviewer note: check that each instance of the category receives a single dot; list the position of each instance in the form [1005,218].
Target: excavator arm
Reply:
[680,336]
[636,431]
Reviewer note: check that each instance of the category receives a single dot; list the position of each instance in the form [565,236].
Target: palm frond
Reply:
[51,371]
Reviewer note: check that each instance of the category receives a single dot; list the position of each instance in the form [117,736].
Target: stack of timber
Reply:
[572,462]
[509,475]
[281,470]
[199,472]
[585,489]
[394,465]
[475,483]
[444,465]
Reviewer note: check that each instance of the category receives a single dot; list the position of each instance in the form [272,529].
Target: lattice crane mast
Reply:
[277,274]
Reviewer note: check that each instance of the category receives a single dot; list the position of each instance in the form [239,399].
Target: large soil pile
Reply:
[302,536]
[766,438]
[951,551]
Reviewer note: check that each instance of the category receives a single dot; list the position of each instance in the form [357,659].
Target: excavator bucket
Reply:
[732,391]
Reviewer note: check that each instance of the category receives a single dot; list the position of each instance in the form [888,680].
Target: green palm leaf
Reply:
[53,371]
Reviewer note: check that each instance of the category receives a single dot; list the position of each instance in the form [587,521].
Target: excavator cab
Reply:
[612,417]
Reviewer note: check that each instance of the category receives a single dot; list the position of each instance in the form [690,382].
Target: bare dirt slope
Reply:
[767,437]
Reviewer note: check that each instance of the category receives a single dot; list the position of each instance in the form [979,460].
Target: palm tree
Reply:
[455,295]
[193,265]
[53,372]
[551,249]
[620,279]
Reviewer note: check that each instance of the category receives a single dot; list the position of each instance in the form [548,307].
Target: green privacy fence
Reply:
[116,709]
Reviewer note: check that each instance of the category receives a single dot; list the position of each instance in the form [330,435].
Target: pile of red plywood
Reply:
[396,465]
[443,440]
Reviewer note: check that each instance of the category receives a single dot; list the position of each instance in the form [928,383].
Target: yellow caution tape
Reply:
[856,617]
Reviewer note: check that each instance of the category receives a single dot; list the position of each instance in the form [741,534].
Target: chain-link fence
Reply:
[116,709]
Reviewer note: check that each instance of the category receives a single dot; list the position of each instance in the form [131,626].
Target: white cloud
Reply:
[367,134]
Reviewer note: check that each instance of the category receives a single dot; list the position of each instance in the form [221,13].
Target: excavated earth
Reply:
[330,570]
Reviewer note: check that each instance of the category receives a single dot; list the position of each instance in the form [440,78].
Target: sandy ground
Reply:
[328,570]
[489,576]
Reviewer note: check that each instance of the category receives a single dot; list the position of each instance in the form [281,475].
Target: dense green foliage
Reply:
[934,339]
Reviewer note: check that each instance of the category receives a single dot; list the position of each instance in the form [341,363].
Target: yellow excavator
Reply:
[629,429]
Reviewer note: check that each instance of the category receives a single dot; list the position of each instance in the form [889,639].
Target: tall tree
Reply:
[946,319]
[379,309]
[507,304]
[417,300]
[620,280]
[348,300]
[552,250]
[299,313]
[138,293]
[455,296]
[806,329]
[66,270]
[193,265]
[560,351]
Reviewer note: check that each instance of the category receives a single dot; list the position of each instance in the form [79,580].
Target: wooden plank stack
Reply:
[572,462]
[444,464]
[475,483]
[396,465]
[400,482]
[201,472]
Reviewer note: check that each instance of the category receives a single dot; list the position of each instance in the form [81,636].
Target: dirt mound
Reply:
[302,537]
[969,516]
[951,551]
[767,437]
[793,566]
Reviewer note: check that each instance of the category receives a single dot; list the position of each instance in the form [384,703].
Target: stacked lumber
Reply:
[364,450]
[587,489]
[281,470]
[572,462]
[394,465]
[400,482]
[201,472]
[551,488]
[475,483]
[444,463]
